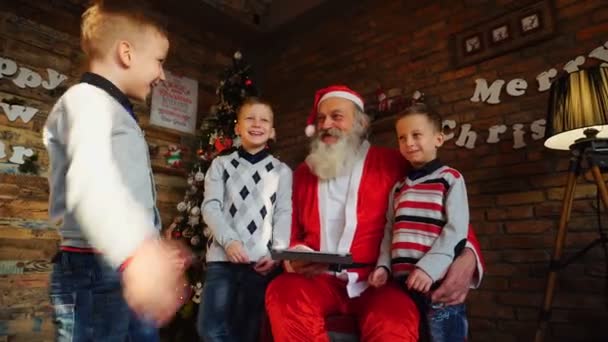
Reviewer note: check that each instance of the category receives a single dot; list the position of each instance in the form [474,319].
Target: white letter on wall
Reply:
[27,78]
[517,87]
[544,79]
[19,152]
[538,129]
[467,137]
[518,136]
[494,131]
[485,94]
[451,124]
[15,111]
[601,53]
[7,67]
[573,65]
[55,79]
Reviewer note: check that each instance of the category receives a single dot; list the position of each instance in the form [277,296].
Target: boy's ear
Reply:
[125,53]
[273,134]
[440,139]
[237,130]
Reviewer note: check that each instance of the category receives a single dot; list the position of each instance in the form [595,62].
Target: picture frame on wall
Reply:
[500,34]
[530,23]
[509,31]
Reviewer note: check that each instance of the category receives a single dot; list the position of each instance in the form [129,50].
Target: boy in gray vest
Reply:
[247,206]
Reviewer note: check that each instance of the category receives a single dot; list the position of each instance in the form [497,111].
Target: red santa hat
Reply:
[340,91]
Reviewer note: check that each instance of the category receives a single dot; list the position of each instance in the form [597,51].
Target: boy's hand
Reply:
[236,253]
[152,284]
[419,281]
[265,265]
[378,277]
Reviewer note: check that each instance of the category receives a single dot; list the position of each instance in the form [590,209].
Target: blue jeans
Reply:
[442,323]
[88,305]
[232,303]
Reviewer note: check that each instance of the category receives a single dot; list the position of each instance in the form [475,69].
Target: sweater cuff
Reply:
[435,265]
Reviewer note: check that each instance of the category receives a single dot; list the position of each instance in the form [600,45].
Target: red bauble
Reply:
[200,152]
[248,82]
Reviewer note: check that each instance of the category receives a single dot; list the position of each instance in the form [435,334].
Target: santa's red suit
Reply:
[297,305]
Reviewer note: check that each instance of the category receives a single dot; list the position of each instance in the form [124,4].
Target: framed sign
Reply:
[174,103]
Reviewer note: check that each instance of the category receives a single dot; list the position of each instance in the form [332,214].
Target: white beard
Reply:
[329,161]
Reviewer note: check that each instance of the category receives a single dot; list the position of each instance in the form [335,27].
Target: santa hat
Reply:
[340,91]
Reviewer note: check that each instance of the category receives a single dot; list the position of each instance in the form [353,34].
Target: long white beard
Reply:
[329,161]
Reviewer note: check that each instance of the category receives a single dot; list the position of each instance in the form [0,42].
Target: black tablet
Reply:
[312,256]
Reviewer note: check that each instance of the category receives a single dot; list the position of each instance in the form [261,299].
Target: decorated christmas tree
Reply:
[216,137]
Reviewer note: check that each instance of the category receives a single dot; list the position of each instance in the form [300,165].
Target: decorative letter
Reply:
[517,87]
[19,152]
[15,111]
[467,137]
[2,152]
[55,79]
[451,124]
[544,79]
[7,67]
[538,129]
[494,131]
[518,136]
[485,94]
[28,78]
[601,53]
[573,65]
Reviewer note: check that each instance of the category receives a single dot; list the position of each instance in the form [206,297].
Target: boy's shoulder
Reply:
[450,173]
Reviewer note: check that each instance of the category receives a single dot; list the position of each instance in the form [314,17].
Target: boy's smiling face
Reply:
[254,126]
[418,139]
[145,61]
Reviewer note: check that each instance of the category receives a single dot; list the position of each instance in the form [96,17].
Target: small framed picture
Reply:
[530,22]
[473,44]
[500,34]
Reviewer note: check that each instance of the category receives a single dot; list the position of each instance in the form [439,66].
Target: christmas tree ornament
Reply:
[174,156]
[182,206]
[190,179]
[195,240]
[199,176]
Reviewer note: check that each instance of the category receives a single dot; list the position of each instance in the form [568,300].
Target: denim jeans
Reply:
[442,323]
[232,303]
[86,296]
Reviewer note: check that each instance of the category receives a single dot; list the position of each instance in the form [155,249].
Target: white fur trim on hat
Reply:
[345,95]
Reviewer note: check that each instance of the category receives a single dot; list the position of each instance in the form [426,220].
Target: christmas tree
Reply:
[217,137]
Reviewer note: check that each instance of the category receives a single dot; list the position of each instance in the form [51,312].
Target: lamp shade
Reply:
[577,101]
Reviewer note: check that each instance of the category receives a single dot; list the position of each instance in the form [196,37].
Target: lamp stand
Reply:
[596,153]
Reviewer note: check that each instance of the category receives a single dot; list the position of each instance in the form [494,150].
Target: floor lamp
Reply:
[577,120]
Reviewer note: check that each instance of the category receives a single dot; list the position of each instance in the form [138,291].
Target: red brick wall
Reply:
[514,194]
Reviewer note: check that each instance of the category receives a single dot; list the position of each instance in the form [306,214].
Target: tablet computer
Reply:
[312,256]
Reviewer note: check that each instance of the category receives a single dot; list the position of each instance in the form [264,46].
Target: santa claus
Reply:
[340,200]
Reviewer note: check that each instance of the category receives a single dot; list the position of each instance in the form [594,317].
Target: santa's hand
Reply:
[419,281]
[236,253]
[180,255]
[378,277]
[456,283]
[306,268]
[264,265]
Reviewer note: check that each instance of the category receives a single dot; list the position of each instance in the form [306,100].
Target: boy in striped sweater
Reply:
[429,217]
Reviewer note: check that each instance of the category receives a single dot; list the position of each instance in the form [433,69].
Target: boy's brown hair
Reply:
[107,21]
[422,109]
[250,101]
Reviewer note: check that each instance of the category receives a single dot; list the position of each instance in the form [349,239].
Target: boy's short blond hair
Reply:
[107,21]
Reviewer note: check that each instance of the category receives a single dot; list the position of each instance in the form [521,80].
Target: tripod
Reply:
[595,151]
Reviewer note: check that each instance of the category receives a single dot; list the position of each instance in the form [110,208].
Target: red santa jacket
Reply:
[380,170]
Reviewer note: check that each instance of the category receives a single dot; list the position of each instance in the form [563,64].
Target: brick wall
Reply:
[44,34]
[514,194]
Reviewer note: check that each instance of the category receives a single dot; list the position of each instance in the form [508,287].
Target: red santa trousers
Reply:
[297,307]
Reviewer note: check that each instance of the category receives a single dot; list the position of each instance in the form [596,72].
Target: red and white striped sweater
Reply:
[430,216]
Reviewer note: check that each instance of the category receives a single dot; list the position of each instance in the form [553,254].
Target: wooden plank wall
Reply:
[44,34]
